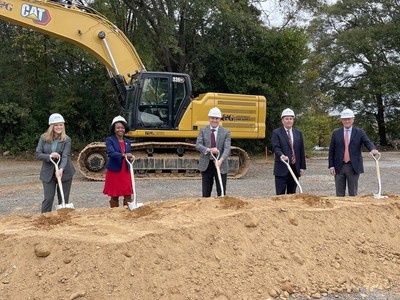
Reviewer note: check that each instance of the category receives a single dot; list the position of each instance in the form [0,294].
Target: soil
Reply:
[247,245]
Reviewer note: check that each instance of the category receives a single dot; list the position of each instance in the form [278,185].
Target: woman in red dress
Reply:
[118,179]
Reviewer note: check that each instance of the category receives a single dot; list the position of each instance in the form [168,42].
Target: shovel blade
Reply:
[133,205]
[67,205]
[379,196]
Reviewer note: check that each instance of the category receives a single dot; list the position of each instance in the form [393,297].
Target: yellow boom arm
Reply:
[80,26]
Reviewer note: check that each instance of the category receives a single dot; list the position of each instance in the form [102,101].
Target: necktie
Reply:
[213,143]
[293,158]
[346,157]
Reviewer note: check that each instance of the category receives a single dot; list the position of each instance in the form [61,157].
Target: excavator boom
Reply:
[78,25]
[163,117]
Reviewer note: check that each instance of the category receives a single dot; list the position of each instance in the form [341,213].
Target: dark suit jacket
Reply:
[223,145]
[280,145]
[114,152]
[43,151]
[336,149]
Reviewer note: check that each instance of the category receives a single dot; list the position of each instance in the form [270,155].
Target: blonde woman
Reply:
[55,144]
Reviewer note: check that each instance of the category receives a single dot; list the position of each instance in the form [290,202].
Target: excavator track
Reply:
[173,160]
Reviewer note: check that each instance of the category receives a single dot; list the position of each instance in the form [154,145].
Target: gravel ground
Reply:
[21,191]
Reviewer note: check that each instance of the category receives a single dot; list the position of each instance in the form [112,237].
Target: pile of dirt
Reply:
[216,248]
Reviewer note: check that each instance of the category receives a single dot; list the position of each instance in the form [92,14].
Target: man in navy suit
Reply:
[288,144]
[213,139]
[345,159]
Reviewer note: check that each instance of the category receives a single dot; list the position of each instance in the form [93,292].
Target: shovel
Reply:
[218,173]
[292,173]
[60,188]
[378,174]
[134,204]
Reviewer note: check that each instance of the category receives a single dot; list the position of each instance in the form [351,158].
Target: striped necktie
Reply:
[293,158]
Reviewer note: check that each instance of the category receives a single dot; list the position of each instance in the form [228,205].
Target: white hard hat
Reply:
[347,113]
[287,113]
[118,119]
[56,118]
[215,112]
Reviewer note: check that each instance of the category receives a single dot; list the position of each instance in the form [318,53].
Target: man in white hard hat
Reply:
[288,144]
[345,158]
[214,139]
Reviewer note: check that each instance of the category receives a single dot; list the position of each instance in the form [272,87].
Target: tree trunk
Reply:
[380,118]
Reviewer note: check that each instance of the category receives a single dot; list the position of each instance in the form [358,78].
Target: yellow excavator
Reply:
[163,118]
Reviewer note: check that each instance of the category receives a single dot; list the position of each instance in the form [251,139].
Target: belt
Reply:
[346,163]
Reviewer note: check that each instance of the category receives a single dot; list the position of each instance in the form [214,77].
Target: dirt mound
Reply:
[216,248]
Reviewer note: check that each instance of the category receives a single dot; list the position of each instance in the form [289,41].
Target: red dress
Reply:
[118,183]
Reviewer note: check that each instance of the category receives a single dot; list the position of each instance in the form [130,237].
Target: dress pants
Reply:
[348,175]
[50,190]
[207,180]
[286,184]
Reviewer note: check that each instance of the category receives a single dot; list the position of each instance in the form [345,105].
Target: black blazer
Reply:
[336,149]
[280,145]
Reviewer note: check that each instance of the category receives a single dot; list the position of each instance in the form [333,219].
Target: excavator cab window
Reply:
[157,100]
[160,100]
[153,104]
[180,99]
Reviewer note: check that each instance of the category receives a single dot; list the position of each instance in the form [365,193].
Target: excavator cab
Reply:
[163,118]
[158,100]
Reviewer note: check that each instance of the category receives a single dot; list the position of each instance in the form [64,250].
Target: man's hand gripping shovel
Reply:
[134,204]
[218,172]
[292,173]
[378,174]
[63,205]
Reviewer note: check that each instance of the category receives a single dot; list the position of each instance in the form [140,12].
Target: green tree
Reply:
[226,48]
[358,41]
[222,44]
[41,75]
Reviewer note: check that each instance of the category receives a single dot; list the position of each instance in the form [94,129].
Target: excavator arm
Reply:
[81,26]
[157,105]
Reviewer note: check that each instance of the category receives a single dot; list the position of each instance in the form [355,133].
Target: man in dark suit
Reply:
[288,144]
[213,139]
[345,159]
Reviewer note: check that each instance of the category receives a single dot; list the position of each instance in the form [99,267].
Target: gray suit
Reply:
[206,164]
[47,172]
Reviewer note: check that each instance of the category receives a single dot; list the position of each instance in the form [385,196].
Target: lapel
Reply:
[219,137]
[353,133]
[341,135]
[294,135]
[116,143]
[207,136]
[284,133]
[60,146]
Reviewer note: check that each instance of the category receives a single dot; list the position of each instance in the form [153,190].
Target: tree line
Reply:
[323,58]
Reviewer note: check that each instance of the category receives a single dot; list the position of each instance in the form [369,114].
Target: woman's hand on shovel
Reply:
[54,155]
[128,155]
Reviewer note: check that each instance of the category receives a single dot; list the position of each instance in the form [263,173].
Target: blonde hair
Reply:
[49,135]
